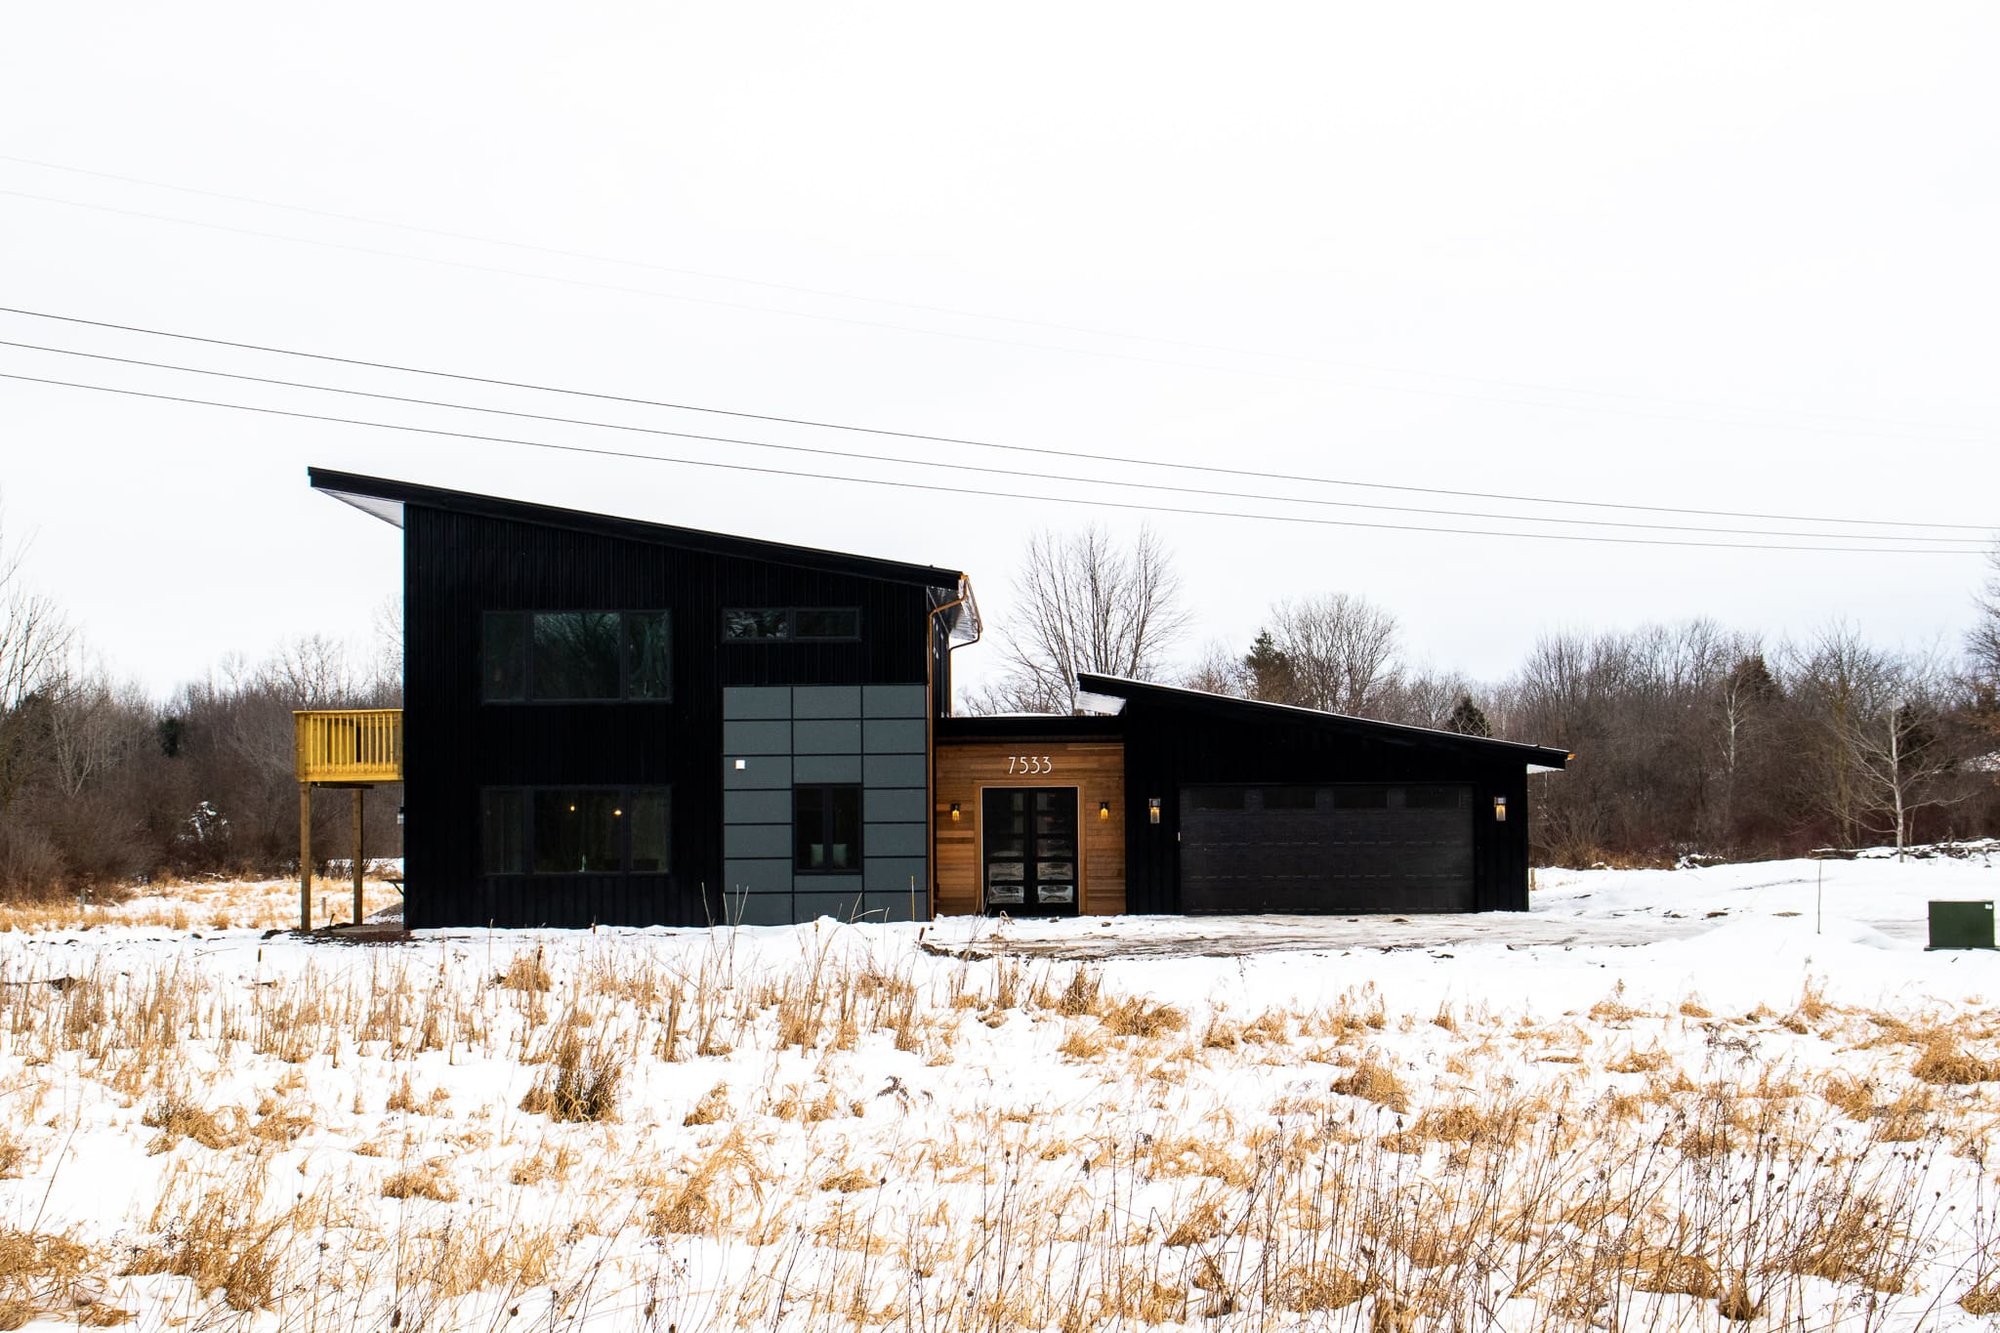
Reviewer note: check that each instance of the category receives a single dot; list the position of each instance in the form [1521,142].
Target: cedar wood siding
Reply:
[1174,743]
[458,565]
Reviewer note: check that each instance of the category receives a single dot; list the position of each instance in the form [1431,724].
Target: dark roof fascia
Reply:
[1222,705]
[630,529]
[1025,727]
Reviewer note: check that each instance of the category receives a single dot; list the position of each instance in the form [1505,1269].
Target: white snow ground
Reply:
[863,1126]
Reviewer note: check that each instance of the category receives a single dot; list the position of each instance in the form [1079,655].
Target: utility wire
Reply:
[935,488]
[952,333]
[1042,451]
[956,312]
[1015,473]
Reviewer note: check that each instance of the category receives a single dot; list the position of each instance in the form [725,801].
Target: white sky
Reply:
[1724,256]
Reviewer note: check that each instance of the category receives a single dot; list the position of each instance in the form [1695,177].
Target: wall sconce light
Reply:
[1500,809]
[1104,809]
[1152,809]
[954,812]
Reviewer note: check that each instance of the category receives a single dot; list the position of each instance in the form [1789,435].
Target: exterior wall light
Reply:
[954,812]
[1152,809]
[1499,809]
[1104,809]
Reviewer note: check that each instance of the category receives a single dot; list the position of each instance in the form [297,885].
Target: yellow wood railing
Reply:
[350,745]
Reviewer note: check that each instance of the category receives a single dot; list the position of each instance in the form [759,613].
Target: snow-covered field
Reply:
[1720,1098]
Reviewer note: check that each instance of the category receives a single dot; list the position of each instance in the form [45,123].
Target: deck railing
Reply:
[350,745]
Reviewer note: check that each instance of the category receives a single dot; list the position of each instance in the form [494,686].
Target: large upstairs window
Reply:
[571,656]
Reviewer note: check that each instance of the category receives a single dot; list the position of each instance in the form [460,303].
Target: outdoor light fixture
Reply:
[1152,809]
[1500,809]
[954,812]
[742,764]
[1104,809]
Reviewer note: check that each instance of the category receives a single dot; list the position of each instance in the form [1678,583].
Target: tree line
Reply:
[1689,739]
[102,785]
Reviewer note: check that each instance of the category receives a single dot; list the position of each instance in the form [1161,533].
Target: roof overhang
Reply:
[387,498]
[1537,758]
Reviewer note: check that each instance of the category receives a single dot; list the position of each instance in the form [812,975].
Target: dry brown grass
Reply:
[579,1081]
[1139,1017]
[428,1181]
[713,1106]
[1375,1082]
[177,1117]
[526,974]
[1943,1061]
[850,1181]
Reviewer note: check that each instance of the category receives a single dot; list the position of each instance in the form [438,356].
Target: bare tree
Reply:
[1218,671]
[1084,604]
[1338,651]
[1881,753]
[35,641]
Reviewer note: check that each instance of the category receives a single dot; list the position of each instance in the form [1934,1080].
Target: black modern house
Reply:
[621,722]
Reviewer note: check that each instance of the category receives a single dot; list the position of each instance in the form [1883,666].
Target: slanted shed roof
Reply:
[1251,710]
[385,498]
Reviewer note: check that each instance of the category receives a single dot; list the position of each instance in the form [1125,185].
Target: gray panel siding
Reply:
[760,807]
[756,840]
[893,840]
[814,734]
[892,736]
[903,805]
[762,773]
[756,738]
[892,701]
[839,906]
[892,874]
[761,909]
[891,906]
[826,701]
[761,876]
[893,770]
[826,737]
[825,768]
[756,701]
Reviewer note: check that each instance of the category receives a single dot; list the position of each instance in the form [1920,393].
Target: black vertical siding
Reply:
[459,565]
[1168,747]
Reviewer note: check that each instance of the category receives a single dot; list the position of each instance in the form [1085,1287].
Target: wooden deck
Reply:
[350,745]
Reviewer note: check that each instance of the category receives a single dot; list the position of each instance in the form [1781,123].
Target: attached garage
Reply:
[1234,806]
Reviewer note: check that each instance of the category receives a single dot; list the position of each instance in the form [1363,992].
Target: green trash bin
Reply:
[1961,925]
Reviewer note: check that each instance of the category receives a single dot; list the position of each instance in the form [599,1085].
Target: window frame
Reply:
[824,792]
[791,625]
[523,797]
[523,667]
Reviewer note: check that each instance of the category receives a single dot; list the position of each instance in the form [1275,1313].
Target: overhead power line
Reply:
[945,465]
[1042,451]
[1187,344]
[1879,431]
[936,488]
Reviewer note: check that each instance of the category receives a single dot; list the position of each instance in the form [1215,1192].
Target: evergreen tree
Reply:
[1271,678]
[1467,719]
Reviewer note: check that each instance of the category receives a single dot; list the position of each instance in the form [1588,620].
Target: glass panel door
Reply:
[1029,857]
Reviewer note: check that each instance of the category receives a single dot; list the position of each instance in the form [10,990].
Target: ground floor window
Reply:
[826,829]
[575,830]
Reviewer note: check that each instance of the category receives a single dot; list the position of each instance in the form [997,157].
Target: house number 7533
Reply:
[1029,763]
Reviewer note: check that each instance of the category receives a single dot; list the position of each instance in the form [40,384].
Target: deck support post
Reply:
[305,856]
[359,794]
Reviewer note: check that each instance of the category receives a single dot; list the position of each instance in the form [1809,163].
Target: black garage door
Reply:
[1351,848]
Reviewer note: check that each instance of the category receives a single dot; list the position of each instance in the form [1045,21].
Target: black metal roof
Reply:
[1228,706]
[385,498]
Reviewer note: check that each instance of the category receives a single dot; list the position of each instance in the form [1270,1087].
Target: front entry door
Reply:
[1030,850]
